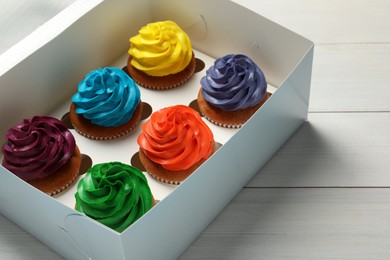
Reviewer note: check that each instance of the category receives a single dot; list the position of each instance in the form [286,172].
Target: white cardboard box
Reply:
[95,33]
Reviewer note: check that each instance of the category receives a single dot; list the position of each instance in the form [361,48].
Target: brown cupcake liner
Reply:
[163,82]
[227,119]
[84,127]
[61,179]
[170,177]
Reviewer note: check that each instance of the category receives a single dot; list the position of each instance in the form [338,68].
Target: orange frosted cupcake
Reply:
[42,152]
[161,56]
[174,142]
[232,90]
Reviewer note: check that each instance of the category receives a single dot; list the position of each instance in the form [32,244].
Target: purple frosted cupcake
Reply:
[42,152]
[232,91]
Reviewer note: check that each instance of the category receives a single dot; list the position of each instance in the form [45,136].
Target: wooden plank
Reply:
[299,224]
[274,223]
[329,21]
[332,149]
[351,77]
[16,244]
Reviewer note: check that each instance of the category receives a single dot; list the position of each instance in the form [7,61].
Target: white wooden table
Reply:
[325,193]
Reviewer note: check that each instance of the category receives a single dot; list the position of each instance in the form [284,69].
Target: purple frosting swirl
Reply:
[234,82]
[37,147]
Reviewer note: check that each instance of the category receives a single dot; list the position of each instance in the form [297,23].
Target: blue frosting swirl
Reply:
[107,97]
[234,82]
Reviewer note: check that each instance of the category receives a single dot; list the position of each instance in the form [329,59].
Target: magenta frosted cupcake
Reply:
[42,152]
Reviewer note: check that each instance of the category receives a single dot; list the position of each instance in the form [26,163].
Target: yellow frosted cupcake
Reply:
[161,56]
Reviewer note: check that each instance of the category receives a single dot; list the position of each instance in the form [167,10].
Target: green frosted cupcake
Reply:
[115,194]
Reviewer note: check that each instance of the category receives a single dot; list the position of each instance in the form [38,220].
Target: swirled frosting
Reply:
[160,49]
[37,147]
[114,194]
[107,97]
[176,138]
[234,82]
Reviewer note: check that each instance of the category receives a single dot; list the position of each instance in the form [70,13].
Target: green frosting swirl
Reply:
[115,194]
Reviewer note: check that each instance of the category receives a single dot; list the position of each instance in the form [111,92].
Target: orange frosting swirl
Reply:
[176,137]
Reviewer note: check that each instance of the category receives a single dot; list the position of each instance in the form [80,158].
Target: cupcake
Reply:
[42,152]
[107,104]
[114,194]
[232,91]
[161,56]
[174,142]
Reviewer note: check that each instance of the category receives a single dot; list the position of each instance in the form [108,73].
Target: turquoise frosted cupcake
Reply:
[107,105]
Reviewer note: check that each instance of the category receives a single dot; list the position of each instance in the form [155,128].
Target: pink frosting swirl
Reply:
[37,147]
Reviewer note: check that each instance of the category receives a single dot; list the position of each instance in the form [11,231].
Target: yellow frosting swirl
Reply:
[160,49]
